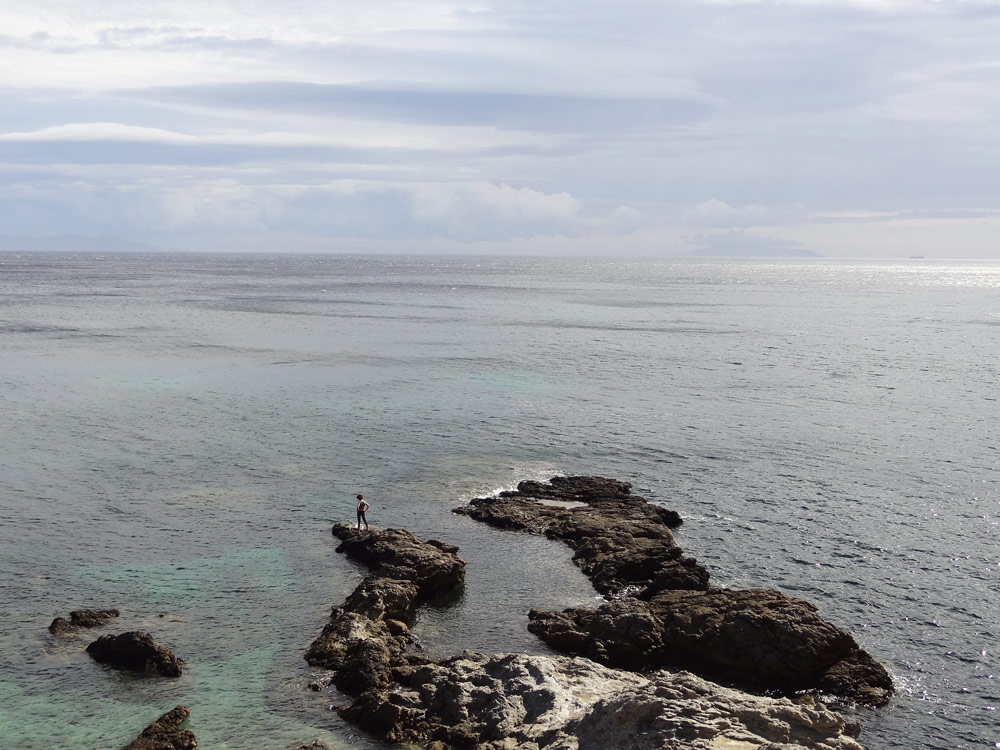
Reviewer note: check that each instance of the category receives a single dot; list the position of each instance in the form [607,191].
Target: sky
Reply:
[849,128]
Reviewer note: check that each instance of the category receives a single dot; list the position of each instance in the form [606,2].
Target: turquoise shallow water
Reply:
[180,431]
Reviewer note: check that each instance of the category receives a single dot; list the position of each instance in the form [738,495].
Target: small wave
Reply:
[35,328]
[563,325]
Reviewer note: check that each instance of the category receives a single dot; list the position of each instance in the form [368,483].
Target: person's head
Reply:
[361,497]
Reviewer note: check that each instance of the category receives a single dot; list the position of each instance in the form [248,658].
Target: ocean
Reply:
[179,432]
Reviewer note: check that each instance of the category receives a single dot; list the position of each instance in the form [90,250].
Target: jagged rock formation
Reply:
[620,541]
[663,613]
[82,618]
[165,733]
[136,651]
[367,636]
[758,638]
[518,702]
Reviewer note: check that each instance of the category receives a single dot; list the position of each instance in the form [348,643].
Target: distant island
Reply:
[754,252]
[69,243]
[741,244]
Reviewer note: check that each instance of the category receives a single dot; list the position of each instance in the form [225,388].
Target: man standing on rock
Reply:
[362,507]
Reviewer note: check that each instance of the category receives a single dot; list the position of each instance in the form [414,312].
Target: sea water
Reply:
[179,432]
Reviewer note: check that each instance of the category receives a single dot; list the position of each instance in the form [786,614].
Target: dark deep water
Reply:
[179,432]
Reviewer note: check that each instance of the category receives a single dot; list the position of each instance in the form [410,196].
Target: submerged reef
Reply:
[166,734]
[614,688]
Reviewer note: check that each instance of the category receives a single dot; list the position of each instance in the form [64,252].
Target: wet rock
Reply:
[62,626]
[321,681]
[136,651]
[430,565]
[760,639]
[165,733]
[859,677]
[89,618]
[82,618]
[367,641]
[518,702]
[663,612]
[620,541]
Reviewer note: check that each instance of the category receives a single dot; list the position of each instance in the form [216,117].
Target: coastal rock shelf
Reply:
[662,611]
[519,702]
[620,541]
[513,701]
[366,638]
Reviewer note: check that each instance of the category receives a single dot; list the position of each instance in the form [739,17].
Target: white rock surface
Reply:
[519,702]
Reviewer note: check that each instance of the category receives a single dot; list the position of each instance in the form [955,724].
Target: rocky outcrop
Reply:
[165,733]
[662,612]
[82,618]
[620,541]
[136,651]
[518,702]
[367,638]
[757,638]
[430,565]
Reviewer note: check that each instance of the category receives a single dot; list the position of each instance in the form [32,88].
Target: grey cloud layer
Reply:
[511,111]
[505,121]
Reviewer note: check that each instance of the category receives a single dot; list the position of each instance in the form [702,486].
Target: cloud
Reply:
[507,122]
[409,104]
[347,135]
[391,210]
[719,213]
[485,211]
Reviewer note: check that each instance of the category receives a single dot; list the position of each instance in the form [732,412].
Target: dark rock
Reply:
[136,651]
[165,733]
[82,618]
[431,565]
[620,541]
[88,618]
[62,626]
[366,640]
[757,638]
[321,681]
[664,613]
[859,677]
